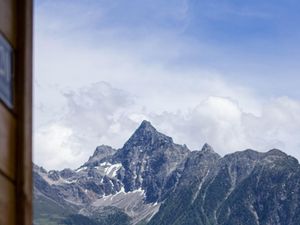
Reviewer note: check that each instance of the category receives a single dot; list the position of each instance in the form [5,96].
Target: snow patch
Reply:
[131,202]
[60,181]
[69,181]
[105,164]
[112,169]
[122,190]
[254,213]
[81,169]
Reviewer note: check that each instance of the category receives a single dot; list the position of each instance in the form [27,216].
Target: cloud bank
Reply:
[100,114]
[198,75]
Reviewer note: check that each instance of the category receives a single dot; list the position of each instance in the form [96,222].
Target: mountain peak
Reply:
[146,134]
[276,152]
[146,125]
[145,129]
[103,150]
[207,148]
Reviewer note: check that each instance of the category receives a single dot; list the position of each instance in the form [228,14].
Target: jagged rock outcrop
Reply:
[103,153]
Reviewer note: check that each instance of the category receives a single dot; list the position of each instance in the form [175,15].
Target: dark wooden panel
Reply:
[16,128]
[8,20]
[7,142]
[7,202]
[24,111]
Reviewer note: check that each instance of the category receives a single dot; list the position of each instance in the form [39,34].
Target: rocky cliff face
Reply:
[241,188]
[152,180]
[149,160]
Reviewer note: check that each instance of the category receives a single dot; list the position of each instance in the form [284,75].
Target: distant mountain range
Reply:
[151,180]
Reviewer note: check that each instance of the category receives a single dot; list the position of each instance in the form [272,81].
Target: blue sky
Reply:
[252,42]
[180,64]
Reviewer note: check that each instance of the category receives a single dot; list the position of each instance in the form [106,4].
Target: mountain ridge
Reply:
[150,178]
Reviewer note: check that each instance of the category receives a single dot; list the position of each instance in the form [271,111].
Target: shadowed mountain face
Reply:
[152,180]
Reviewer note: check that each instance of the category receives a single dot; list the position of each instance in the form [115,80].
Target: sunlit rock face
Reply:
[152,180]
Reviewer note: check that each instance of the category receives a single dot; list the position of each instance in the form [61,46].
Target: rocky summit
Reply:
[151,180]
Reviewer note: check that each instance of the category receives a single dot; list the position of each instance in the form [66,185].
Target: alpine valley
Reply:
[151,180]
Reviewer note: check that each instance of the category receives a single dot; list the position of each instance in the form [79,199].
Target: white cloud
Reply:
[222,123]
[100,114]
[278,126]
[55,148]
[92,115]
[216,120]
[94,85]
[193,105]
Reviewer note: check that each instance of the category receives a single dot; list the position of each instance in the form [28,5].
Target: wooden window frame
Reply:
[23,100]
